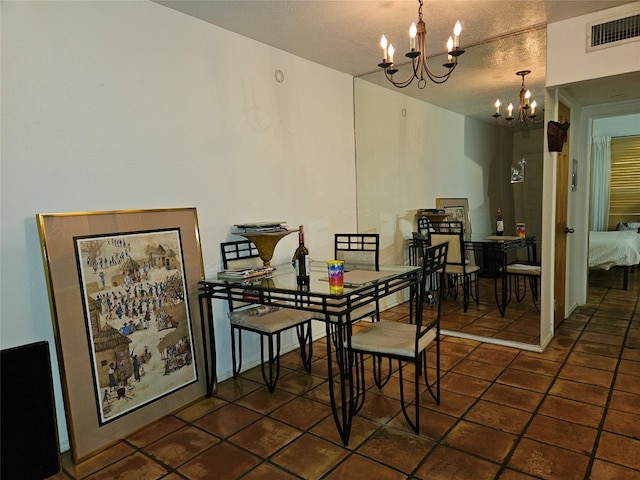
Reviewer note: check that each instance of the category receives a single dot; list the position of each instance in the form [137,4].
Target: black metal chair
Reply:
[526,272]
[424,226]
[360,251]
[406,342]
[268,321]
[461,269]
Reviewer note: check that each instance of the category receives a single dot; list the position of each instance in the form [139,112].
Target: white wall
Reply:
[567,58]
[129,105]
[418,152]
[619,126]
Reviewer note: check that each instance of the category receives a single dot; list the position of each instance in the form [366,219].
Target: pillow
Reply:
[628,226]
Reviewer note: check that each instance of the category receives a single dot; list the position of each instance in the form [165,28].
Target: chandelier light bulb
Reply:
[533,108]
[383,44]
[412,36]
[449,46]
[391,51]
[497,105]
[457,29]
[510,110]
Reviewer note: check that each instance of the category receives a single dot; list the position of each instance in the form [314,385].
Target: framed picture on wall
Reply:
[458,210]
[121,286]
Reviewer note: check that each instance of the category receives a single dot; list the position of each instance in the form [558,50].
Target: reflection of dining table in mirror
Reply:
[493,254]
[334,309]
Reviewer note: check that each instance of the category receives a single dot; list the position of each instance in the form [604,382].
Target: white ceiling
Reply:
[500,37]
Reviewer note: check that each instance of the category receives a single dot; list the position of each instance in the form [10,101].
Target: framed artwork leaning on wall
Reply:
[458,210]
[121,288]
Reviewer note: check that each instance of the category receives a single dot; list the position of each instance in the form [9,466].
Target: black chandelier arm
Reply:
[401,84]
[419,67]
[525,120]
[439,78]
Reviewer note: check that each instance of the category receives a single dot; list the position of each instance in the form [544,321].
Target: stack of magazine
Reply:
[262,227]
[244,273]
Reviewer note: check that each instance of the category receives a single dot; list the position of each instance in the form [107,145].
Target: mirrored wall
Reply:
[412,148]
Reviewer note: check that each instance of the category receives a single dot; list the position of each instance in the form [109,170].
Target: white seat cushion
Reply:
[524,269]
[367,310]
[391,338]
[268,319]
[457,269]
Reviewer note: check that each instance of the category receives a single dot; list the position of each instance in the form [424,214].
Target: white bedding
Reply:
[616,248]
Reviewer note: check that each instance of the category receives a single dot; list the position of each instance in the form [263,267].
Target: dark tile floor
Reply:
[572,412]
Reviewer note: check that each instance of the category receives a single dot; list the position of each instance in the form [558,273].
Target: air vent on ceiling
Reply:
[614,32]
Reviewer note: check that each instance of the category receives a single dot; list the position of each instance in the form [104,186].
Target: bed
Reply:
[614,249]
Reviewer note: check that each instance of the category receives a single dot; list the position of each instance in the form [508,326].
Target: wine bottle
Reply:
[499,223]
[301,260]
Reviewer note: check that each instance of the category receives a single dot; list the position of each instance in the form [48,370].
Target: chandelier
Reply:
[526,115]
[418,56]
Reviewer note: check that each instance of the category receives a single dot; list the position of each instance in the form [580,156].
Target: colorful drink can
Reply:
[336,275]
[520,230]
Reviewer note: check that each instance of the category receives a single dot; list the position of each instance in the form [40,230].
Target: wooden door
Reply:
[562,192]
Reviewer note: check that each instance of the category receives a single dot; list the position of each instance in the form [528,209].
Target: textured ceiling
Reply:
[500,37]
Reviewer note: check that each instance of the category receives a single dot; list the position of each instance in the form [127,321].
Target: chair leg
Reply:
[436,394]
[306,344]
[451,287]
[465,292]
[415,422]
[533,283]
[520,292]
[271,372]
[236,352]
[360,386]
[380,379]
[476,294]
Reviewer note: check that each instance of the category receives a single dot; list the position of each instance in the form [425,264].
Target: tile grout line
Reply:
[534,413]
[440,441]
[596,443]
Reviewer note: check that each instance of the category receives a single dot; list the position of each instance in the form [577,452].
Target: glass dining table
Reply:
[361,288]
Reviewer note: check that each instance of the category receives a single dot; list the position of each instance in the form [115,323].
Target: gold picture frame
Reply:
[458,210]
[123,292]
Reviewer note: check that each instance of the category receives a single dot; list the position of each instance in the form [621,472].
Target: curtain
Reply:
[600,180]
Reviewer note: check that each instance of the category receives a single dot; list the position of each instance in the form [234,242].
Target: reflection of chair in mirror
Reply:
[424,225]
[461,269]
[416,247]
[360,251]
[406,342]
[524,273]
[269,321]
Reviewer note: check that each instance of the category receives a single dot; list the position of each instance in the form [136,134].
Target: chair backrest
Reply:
[424,225]
[238,254]
[431,285]
[418,243]
[449,226]
[451,232]
[360,251]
